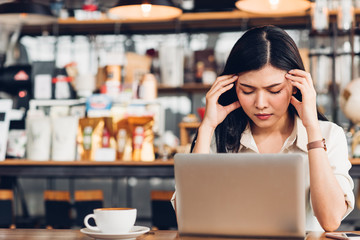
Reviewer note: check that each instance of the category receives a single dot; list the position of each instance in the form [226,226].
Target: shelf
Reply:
[188,87]
[331,33]
[235,20]
[331,54]
[188,22]
[34,103]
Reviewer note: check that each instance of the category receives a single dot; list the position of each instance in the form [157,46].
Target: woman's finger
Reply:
[301,73]
[294,78]
[309,95]
[220,84]
[231,107]
[296,103]
[223,89]
[298,85]
[223,77]
[224,81]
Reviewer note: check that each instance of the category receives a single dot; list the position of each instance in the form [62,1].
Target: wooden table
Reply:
[45,234]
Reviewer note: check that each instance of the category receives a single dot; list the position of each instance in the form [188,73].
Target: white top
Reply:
[296,143]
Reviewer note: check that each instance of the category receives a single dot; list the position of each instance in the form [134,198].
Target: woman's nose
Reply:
[260,101]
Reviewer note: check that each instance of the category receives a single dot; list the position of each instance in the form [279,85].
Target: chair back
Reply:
[85,202]
[163,215]
[7,219]
[57,209]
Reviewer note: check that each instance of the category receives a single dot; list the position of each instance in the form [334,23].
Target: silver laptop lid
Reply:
[240,194]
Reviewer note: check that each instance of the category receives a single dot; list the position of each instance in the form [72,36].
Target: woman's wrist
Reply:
[204,137]
[206,131]
[204,125]
[314,132]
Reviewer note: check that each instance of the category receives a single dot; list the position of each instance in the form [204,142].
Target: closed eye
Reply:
[277,92]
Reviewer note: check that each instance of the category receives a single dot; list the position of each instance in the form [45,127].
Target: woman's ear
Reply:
[294,91]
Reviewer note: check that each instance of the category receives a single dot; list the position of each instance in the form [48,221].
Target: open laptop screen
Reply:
[240,194]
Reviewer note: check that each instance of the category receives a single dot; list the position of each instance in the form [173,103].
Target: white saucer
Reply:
[135,232]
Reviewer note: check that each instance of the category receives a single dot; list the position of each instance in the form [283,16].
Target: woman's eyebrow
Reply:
[274,85]
[270,86]
[245,85]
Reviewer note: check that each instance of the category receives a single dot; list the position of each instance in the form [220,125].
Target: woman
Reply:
[265,102]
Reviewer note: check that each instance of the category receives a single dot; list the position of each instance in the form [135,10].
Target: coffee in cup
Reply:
[112,220]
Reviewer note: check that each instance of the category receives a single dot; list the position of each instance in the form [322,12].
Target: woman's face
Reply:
[265,96]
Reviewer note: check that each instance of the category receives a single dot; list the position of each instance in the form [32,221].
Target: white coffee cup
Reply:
[112,220]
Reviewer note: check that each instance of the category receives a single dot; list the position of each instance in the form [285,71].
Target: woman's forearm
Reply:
[327,197]
[203,140]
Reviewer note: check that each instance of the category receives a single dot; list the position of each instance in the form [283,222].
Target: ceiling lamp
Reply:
[145,9]
[25,12]
[269,7]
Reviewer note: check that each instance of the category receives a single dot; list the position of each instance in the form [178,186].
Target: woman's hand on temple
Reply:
[214,112]
[307,107]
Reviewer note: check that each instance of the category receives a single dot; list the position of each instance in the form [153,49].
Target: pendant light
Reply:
[270,7]
[145,10]
[25,12]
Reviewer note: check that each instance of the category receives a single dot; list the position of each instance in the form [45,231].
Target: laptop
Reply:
[240,195]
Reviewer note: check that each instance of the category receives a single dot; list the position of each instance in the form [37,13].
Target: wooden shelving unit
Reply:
[188,22]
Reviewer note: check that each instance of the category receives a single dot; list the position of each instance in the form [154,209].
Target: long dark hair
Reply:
[256,48]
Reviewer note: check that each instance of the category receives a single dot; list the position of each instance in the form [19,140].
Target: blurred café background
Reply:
[96,96]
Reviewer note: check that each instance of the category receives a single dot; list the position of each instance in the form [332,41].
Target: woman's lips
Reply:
[263,116]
